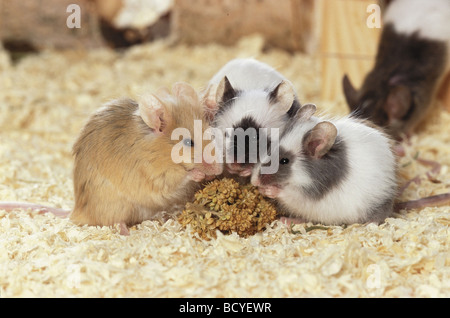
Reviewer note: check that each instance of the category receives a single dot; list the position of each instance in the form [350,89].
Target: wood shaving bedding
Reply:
[47,98]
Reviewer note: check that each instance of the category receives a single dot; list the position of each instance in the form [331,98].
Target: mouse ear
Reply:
[319,140]
[154,113]
[225,92]
[398,102]
[351,94]
[283,95]
[208,100]
[306,111]
[186,92]
[163,92]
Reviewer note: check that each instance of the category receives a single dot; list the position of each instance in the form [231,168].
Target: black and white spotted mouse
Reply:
[339,171]
[246,93]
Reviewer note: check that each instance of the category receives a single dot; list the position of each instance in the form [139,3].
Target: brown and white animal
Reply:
[413,59]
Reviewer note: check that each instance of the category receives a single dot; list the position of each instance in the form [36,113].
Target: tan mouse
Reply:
[124,172]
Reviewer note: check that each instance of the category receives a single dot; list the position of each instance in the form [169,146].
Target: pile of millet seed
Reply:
[225,205]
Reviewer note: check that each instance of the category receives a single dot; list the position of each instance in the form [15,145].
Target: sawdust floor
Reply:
[46,99]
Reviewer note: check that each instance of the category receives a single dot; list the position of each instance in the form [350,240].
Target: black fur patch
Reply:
[294,108]
[229,92]
[273,95]
[291,121]
[226,104]
[284,170]
[328,171]
[246,122]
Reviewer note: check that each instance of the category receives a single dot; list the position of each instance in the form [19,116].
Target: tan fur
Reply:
[123,171]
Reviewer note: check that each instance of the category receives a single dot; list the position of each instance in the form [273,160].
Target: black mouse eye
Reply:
[188,142]
[284,161]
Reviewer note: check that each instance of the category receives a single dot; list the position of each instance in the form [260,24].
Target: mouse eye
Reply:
[188,142]
[284,161]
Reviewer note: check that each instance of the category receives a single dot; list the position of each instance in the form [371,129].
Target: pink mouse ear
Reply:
[283,95]
[185,92]
[208,100]
[154,113]
[225,91]
[306,111]
[216,95]
[319,140]
[163,92]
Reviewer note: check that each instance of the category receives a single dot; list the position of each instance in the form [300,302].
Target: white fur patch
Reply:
[248,74]
[431,18]
[292,141]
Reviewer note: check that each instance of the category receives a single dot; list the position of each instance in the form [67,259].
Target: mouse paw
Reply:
[210,177]
[291,221]
[196,175]
[123,229]
[233,168]
[270,192]
[240,169]
[247,172]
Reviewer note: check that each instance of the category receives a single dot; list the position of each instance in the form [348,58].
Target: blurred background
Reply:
[335,32]
[339,33]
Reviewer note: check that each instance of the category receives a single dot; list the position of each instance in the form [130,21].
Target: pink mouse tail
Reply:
[10,206]
[431,201]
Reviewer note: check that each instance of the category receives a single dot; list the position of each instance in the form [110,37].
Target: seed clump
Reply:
[225,205]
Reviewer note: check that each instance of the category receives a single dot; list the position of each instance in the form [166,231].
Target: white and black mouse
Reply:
[246,93]
[336,172]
